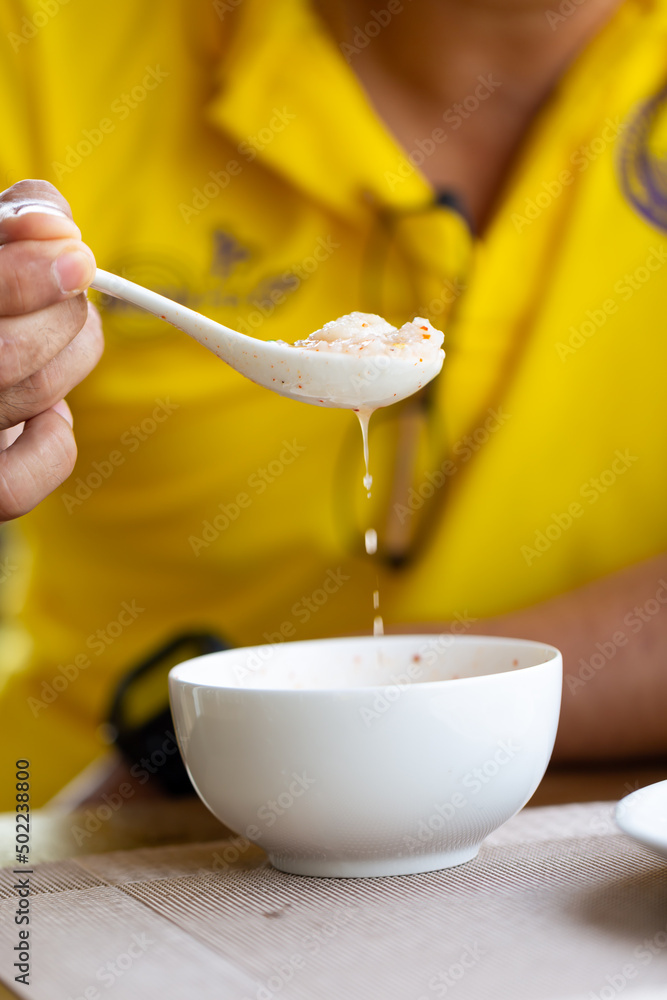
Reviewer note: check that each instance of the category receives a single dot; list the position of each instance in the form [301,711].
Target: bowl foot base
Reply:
[373,867]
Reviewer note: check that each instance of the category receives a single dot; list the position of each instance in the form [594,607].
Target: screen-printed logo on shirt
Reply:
[642,161]
[228,284]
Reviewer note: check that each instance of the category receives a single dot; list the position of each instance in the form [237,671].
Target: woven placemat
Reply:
[559,905]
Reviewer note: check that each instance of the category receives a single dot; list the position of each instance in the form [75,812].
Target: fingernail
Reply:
[63,409]
[38,208]
[73,270]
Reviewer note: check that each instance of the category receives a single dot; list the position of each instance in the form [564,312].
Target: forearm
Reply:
[613,636]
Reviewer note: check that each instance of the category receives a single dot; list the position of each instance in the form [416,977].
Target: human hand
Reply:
[50,339]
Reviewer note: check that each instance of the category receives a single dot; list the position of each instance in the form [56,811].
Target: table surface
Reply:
[57,836]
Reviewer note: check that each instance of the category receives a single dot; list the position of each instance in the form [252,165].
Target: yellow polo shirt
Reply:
[226,155]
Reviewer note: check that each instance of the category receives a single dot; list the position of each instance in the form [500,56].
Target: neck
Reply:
[525,39]
[431,53]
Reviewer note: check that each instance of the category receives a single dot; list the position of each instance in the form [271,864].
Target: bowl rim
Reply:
[555,658]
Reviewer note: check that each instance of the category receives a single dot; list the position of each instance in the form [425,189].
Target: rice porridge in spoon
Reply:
[382,344]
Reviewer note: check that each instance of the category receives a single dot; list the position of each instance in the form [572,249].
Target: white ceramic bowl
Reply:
[368,756]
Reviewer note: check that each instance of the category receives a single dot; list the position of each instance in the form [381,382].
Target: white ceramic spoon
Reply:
[323,378]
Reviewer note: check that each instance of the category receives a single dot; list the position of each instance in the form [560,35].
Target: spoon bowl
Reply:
[321,378]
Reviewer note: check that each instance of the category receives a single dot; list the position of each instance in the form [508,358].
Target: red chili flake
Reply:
[300,387]
[515,663]
[426,336]
[163,317]
[423,328]
[366,324]
[416,658]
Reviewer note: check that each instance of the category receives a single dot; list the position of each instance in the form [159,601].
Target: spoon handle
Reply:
[193,323]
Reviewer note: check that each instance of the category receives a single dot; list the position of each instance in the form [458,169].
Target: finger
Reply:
[35,273]
[9,436]
[35,190]
[27,343]
[33,222]
[49,385]
[40,459]
[34,210]
[63,409]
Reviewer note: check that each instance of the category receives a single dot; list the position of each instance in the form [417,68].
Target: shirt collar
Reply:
[284,79]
